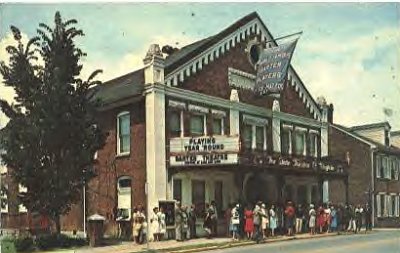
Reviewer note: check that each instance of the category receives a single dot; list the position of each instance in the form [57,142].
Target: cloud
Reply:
[132,60]
[336,69]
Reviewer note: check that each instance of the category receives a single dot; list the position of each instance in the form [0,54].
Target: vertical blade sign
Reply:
[272,68]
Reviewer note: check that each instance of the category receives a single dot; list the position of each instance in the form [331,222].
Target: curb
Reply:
[248,243]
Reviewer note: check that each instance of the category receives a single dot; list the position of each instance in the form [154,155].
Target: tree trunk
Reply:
[57,220]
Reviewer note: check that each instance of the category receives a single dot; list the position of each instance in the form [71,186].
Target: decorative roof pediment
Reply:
[193,57]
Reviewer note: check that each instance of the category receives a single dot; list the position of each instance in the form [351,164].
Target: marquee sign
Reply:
[207,150]
[272,68]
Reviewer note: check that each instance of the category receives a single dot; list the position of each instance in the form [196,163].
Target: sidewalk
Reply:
[193,245]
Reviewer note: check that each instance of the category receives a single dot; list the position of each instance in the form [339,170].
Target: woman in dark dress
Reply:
[207,225]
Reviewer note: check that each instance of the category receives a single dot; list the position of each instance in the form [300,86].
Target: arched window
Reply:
[124,189]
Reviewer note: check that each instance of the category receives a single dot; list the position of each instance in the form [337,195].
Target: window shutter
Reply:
[378,206]
[386,206]
[397,205]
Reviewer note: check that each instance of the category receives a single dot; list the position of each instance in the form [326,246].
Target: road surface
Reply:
[376,242]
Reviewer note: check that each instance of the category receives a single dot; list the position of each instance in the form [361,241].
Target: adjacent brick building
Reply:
[374,166]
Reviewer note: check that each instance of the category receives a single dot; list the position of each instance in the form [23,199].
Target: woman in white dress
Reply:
[264,221]
[155,227]
[162,224]
[312,214]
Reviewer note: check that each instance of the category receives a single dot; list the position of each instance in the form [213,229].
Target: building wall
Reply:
[102,190]
[359,167]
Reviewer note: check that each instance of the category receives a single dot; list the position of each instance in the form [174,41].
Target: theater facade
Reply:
[188,126]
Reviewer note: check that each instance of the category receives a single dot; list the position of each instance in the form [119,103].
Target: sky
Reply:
[349,52]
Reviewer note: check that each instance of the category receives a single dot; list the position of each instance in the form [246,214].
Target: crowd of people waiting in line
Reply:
[254,222]
[260,222]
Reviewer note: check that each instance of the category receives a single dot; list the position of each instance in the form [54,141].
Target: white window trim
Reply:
[182,124]
[198,109]
[21,207]
[252,120]
[288,128]
[398,206]
[176,104]
[5,197]
[378,205]
[119,153]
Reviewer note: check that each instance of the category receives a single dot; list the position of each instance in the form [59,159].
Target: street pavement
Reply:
[375,242]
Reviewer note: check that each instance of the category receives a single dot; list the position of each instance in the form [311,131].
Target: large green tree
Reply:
[52,135]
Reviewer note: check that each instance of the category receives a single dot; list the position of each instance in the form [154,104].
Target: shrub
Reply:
[51,241]
[21,244]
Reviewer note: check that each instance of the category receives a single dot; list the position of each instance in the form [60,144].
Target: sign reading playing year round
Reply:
[206,150]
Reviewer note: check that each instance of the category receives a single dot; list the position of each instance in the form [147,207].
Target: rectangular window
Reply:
[218,126]
[285,141]
[218,196]
[393,205]
[299,142]
[383,205]
[397,206]
[386,167]
[313,144]
[260,137]
[21,207]
[378,167]
[124,136]
[248,136]
[197,124]
[199,196]
[177,191]
[378,206]
[3,199]
[174,122]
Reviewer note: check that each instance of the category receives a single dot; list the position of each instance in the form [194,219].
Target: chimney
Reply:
[154,65]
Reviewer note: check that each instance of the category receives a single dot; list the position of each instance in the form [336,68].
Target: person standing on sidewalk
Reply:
[334,222]
[207,225]
[249,225]
[311,223]
[368,218]
[162,223]
[154,225]
[214,218]
[352,221]
[264,221]
[192,221]
[272,220]
[289,218]
[257,219]
[358,217]
[235,221]
[299,218]
[185,224]
[227,217]
[178,222]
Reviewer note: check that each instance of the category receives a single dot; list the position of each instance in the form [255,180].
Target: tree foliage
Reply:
[52,135]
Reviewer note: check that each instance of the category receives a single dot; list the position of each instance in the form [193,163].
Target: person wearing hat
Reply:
[264,221]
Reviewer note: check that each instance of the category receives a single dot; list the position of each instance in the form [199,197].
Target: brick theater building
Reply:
[374,166]
[187,126]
